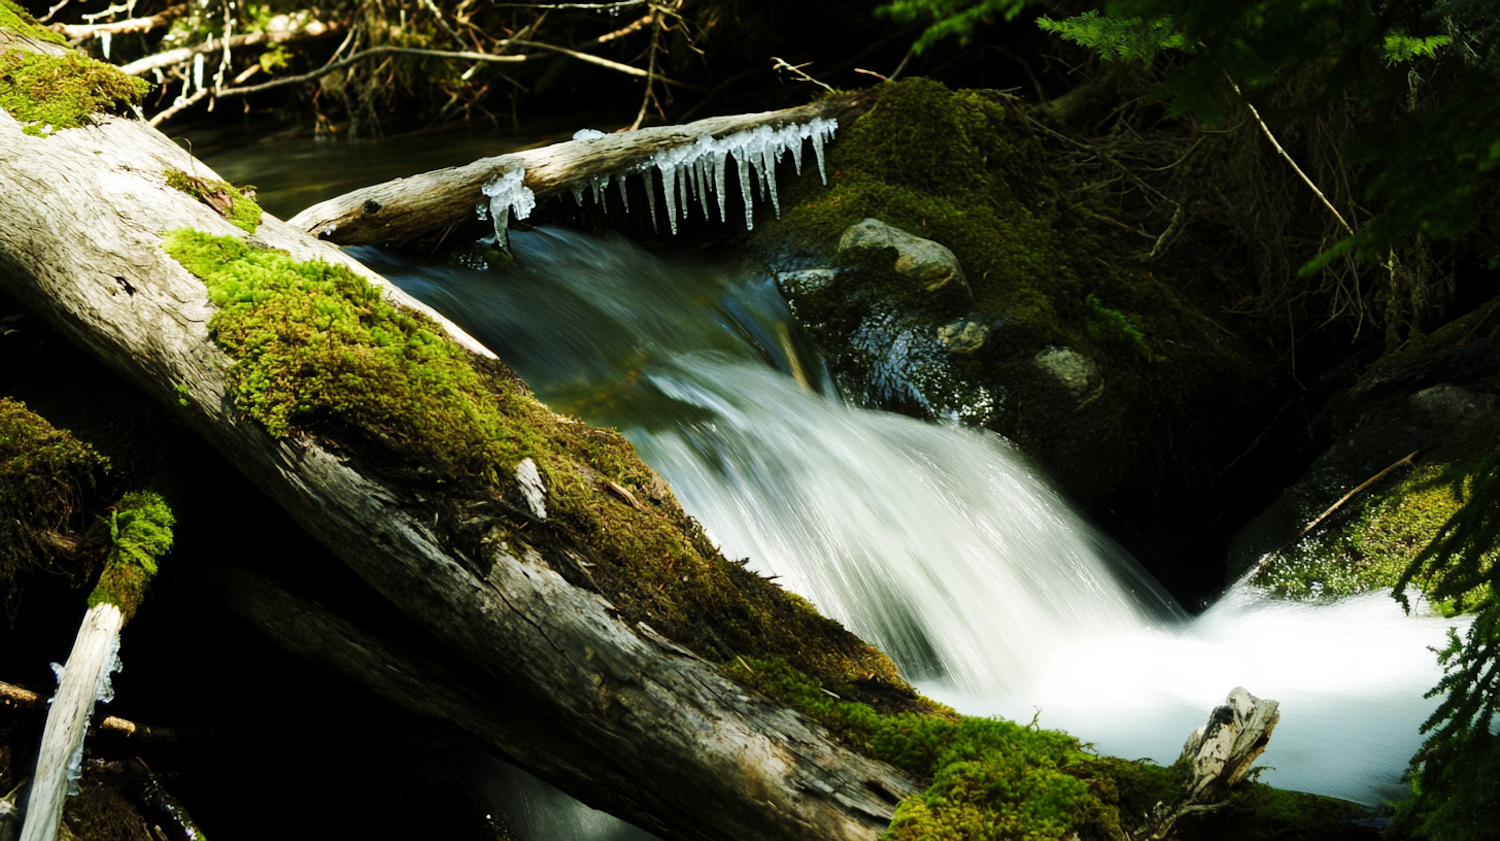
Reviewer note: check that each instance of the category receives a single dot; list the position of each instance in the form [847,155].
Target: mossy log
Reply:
[409,207]
[690,753]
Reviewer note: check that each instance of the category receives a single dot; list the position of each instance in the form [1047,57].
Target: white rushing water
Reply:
[938,543]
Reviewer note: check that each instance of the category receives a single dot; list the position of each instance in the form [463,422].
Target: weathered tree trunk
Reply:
[408,207]
[686,752]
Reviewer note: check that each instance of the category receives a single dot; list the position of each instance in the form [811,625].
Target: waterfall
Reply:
[938,543]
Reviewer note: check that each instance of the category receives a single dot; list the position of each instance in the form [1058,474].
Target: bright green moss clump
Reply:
[316,344]
[140,531]
[48,93]
[19,21]
[237,204]
[319,351]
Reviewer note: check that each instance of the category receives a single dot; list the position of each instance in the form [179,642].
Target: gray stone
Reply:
[1450,405]
[1078,374]
[963,335]
[922,260]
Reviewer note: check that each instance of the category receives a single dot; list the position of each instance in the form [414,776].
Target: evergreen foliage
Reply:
[1119,39]
[1456,779]
[950,18]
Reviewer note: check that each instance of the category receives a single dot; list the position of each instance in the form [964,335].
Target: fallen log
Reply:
[409,207]
[694,755]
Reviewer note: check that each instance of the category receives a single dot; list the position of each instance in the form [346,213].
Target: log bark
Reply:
[409,207]
[691,754]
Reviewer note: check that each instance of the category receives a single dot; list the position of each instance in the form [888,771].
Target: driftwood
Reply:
[1217,756]
[408,207]
[691,754]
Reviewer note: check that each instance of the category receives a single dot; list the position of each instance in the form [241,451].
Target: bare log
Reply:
[408,207]
[88,668]
[694,755]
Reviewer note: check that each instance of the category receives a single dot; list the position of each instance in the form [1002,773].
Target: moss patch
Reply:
[318,351]
[19,21]
[46,479]
[968,170]
[48,93]
[237,204]
[1386,530]
[140,531]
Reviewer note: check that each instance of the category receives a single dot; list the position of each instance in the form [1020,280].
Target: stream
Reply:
[938,543]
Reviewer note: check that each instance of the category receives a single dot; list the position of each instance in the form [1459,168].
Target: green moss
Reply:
[19,21]
[969,170]
[48,93]
[1388,527]
[140,531]
[46,476]
[318,351]
[237,204]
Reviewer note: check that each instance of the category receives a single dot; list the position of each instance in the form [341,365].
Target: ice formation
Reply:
[507,194]
[690,171]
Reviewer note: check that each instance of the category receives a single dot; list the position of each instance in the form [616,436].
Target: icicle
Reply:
[770,150]
[700,183]
[819,128]
[587,134]
[684,188]
[650,197]
[721,163]
[669,188]
[601,191]
[577,193]
[198,72]
[795,144]
[624,196]
[508,192]
[742,164]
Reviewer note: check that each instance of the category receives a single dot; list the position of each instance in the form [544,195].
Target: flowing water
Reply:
[938,543]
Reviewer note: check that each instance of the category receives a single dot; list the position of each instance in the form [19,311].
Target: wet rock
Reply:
[963,336]
[806,281]
[922,260]
[1077,374]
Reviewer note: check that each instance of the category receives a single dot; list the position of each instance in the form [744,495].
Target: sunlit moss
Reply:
[140,531]
[48,93]
[317,350]
[237,204]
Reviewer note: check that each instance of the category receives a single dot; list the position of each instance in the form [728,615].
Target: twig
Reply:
[620,5]
[361,56]
[778,64]
[911,51]
[1298,169]
[604,62]
[646,97]
[24,699]
[187,102]
[1334,507]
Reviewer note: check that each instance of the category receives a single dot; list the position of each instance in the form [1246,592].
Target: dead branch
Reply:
[84,31]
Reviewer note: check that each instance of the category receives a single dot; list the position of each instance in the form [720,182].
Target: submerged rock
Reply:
[963,335]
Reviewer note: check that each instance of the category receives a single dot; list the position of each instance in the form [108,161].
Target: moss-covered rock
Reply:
[1436,399]
[967,171]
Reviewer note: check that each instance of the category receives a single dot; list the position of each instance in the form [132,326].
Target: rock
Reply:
[1450,406]
[806,281]
[1078,374]
[918,259]
[963,335]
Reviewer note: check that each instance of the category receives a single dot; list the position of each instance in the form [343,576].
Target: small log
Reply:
[89,664]
[1217,757]
[21,698]
[408,207]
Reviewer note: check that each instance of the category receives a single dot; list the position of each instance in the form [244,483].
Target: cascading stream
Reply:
[937,543]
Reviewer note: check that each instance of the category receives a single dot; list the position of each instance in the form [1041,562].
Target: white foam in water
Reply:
[942,546]
[1349,676]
